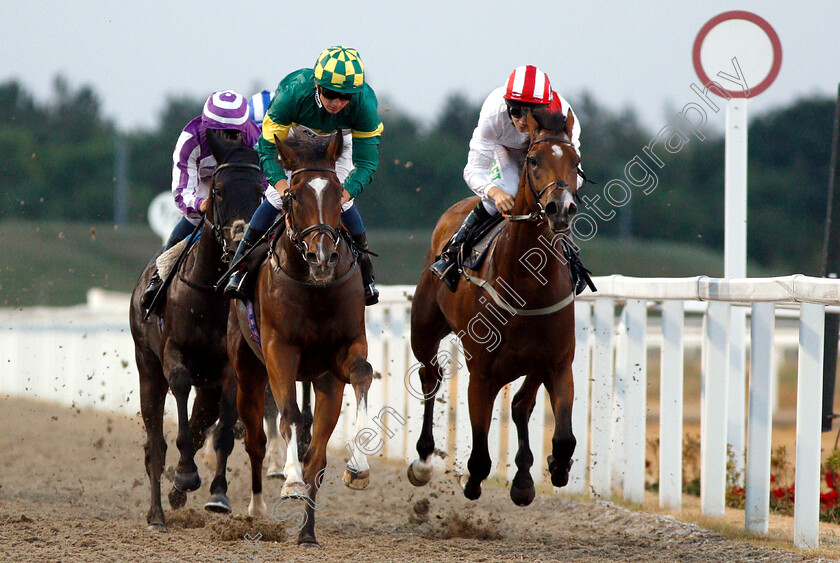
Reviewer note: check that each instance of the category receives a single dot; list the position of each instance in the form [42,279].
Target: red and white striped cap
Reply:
[528,84]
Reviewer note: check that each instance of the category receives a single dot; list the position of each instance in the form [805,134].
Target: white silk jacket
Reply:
[495,131]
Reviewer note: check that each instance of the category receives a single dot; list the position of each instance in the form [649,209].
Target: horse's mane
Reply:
[307,148]
[553,121]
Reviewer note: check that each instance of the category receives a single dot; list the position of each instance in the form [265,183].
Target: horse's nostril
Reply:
[333,258]
[572,208]
[311,258]
[551,209]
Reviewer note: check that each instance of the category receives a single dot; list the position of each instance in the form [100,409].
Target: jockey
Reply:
[319,101]
[226,112]
[496,153]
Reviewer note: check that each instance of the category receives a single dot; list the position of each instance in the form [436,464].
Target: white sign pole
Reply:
[735,266]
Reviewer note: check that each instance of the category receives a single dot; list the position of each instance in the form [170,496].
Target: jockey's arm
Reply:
[185,175]
[365,161]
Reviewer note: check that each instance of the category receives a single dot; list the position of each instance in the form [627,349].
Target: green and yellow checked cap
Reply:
[340,69]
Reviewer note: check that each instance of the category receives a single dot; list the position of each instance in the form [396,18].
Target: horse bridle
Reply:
[217,229]
[539,213]
[296,235]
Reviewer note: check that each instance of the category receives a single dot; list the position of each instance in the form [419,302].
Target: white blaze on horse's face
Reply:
[318,185]
[558,152]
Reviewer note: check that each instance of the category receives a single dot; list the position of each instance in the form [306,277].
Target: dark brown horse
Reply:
[520,323]
[185,345]
[310,310]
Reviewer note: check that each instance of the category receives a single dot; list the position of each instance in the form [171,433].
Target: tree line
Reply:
[59,157]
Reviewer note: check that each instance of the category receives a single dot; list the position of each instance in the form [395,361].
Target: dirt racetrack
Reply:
[73,488]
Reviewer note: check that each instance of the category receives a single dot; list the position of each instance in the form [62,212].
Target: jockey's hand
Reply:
[504,201]
[203,207]
[281,186]
[345,197]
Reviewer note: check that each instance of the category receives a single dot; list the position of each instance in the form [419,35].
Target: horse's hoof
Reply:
[296,490]
[559,475]
[275,473]
[218,503]
[472,490]
[419,473]
[177,499]
[187,482]
[356,480]
[308,541]
[156,528]
[522,497]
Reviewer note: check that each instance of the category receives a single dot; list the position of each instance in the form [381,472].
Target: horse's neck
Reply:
[532,255]
[208,258]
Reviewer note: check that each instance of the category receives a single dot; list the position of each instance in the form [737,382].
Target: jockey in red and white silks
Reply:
[497,148]
[497,153]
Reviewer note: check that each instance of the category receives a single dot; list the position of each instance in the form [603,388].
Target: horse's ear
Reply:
[287,155]
[533,122]
[218,148]
[336,146]
[570,123]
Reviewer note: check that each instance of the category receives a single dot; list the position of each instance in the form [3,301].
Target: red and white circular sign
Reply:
[745,37]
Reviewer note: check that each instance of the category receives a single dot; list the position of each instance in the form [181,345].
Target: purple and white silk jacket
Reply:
[193,164]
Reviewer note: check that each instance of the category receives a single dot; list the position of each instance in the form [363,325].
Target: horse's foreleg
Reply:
[186,472]
[360,374]
[428,327]
[522,487]
[329,393]
[223,443]
[561,392]
[282,362]
[250,398]
[275,453]
[481,398]
[305,436]
[153,389]
[420,470]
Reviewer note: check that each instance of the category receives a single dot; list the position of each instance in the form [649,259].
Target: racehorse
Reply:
[309,307]
[186,346]
[527,329]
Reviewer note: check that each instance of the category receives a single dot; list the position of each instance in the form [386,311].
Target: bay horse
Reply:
[532,315]
[185,345]
[310,309]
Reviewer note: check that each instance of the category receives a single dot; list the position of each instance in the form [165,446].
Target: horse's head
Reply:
[551,167]
[313,201]
[235,192]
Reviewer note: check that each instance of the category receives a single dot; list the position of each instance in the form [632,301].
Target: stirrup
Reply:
[151,290]
[237,286]
[371,295]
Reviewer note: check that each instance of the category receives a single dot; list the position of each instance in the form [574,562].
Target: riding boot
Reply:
[444,268]
[238,285]
[151,290]
[366,265]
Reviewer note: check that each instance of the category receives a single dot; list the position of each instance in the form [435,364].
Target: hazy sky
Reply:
[635,54]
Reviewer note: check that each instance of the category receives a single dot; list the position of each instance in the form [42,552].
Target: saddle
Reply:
[474,249]
[473,252]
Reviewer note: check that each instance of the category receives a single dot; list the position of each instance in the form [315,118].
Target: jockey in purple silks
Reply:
[226,112]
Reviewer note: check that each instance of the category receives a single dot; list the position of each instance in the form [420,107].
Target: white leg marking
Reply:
[257,507]
[357,455]
[293,470]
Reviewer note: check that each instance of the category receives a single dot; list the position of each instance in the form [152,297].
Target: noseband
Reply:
[297,235]
[217,229]
[539,213]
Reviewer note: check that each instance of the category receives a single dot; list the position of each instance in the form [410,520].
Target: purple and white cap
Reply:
[225,110]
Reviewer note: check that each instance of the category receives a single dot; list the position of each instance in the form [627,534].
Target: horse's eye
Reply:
[532,160]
